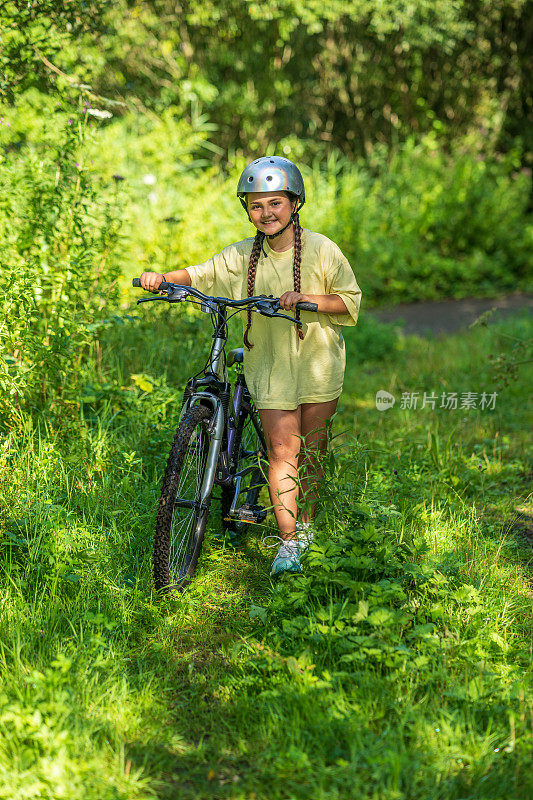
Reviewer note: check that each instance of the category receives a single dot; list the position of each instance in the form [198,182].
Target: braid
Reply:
[297,262]
[252,268]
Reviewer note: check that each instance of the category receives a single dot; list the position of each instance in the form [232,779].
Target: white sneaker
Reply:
[288,556]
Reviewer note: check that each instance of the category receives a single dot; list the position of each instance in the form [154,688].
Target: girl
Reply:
[295,377]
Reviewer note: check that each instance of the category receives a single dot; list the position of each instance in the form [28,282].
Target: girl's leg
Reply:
[313,421]
[282,432]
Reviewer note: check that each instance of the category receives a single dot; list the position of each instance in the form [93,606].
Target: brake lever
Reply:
[291,319]
[151,300]
[176,295]
[267,309]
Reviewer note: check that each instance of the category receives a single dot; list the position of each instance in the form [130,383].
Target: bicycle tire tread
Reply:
[178,450]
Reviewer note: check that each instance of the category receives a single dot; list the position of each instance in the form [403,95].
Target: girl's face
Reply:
[270,211]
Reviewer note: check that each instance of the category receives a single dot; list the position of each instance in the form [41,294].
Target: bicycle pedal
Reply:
[250,513]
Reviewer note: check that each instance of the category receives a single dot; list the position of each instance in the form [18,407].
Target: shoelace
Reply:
[278,541]
[288,547]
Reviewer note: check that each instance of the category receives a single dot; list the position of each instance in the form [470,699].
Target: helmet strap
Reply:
[273,235]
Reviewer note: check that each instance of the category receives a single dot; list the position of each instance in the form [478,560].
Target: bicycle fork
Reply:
[216,430]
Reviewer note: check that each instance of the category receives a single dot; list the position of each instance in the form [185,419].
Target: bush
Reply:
[58,243]
[416,223]
[419,224]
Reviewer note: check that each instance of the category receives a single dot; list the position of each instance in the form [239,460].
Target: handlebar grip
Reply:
[165,287]
[307,306]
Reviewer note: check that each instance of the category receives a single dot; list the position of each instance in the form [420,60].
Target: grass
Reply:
[397,666]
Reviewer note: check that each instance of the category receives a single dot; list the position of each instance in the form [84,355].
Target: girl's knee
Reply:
[282,451]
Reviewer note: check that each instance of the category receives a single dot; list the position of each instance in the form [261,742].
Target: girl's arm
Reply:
[327,303]
[152,280]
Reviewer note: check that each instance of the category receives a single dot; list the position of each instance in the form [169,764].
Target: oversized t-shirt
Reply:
[281,370]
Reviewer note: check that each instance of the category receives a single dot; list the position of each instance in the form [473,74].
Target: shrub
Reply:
[58,240]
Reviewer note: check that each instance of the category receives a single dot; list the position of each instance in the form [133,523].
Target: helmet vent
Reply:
[250,179]
[271,161]
[269,177]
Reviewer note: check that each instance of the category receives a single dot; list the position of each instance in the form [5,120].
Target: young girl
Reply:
[295,377]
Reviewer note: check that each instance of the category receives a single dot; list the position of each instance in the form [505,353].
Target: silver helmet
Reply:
[271,174]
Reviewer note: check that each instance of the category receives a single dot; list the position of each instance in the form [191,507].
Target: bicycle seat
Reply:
[234,356]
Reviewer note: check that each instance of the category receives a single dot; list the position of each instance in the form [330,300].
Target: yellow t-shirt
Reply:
[282,370]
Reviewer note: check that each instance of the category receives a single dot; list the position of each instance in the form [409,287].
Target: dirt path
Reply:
[448,316]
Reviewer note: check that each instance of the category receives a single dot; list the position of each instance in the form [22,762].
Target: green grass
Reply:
[398,666]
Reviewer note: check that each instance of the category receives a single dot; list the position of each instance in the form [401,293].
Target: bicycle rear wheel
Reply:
[250,448]
[181,518]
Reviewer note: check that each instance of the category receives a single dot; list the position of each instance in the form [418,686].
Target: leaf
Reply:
[381,616]
[362,510]
[356,656]
[362,611]
[16,539]
[497,639]
[143,382]
[423,630]
[466,593]
[258,611]
[475,689]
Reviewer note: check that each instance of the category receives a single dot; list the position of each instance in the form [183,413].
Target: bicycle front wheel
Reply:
[181,517]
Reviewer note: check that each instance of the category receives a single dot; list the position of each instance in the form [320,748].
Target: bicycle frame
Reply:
[231,461]
[219,458]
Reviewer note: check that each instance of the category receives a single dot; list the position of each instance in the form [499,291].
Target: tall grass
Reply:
[397,666]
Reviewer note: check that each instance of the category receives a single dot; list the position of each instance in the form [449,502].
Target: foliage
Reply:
[375,340]
[348,75]
[58,235]
[422,224]
[506,363]
[32,34]
[398,662]
[415,223]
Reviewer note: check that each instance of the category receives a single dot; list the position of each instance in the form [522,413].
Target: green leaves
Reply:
[257,612]
[143,382]
[380,617]
[57,237]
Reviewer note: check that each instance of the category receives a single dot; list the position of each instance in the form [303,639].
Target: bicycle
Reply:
[215,444]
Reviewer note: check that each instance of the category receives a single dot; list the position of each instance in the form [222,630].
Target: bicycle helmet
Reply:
[271,174]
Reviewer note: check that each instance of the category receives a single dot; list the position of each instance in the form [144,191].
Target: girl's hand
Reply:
[289,299]
[151,281]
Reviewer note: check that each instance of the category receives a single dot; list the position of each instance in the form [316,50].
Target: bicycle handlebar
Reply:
[273,302]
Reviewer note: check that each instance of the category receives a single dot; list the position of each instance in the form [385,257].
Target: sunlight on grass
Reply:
[400,659]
